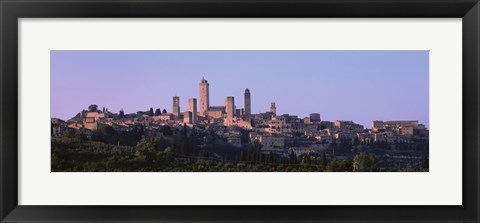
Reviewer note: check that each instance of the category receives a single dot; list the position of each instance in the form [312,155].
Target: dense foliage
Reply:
[179,151]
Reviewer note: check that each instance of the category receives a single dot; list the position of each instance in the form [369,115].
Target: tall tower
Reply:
[176,106]
[230,106]
[273,109]
[192,107]
[247,102]
[204,96]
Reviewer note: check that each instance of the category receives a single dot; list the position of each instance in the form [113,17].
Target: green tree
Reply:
[93,108]
[356,141]
[107,134]
[157,112]
[425,163]
[307,160]
[150,113]
[242,157]
[166,130]
[225,158]
[184,129]
[121,114]
[107,130]
[293,158]
[323,161]
[186,148]
[175,147]
[205,155]
[348,164]
[256,145]
[270,157]
[335,166]
[260,158]
[364,162]
[146,148]
[345,165]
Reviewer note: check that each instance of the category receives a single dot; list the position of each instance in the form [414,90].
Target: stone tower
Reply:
[192,107]
[204,96]
[176,106]
[230,107]
[246,101]
[273,109]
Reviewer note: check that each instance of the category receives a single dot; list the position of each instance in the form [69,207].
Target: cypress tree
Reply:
[270,157]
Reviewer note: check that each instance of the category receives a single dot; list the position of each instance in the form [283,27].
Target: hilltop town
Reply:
[397,143]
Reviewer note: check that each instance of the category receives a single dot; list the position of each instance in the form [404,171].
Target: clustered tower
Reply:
[228,111]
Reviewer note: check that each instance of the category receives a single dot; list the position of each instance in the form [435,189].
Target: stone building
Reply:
[188,117]
[269,142]
[95,115]
[90,123]
[58,126]
[348,126]
[216,111]
[406,130]
[234,139]
[238,121]
[163,117]
[377,125]
[315,117]
[307,120]
[279,125]
[240,112]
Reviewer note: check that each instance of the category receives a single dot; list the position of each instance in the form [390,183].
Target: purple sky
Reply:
[340,85]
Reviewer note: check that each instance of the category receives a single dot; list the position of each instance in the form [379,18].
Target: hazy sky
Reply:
[340,85]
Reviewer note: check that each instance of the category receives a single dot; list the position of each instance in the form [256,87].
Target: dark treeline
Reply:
[179,150]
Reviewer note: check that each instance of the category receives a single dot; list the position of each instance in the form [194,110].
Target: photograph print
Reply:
[239,111]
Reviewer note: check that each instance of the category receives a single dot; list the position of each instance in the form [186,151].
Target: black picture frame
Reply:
[12,10]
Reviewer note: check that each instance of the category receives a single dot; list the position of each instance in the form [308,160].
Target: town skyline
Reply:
[210,134]
[287,100]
